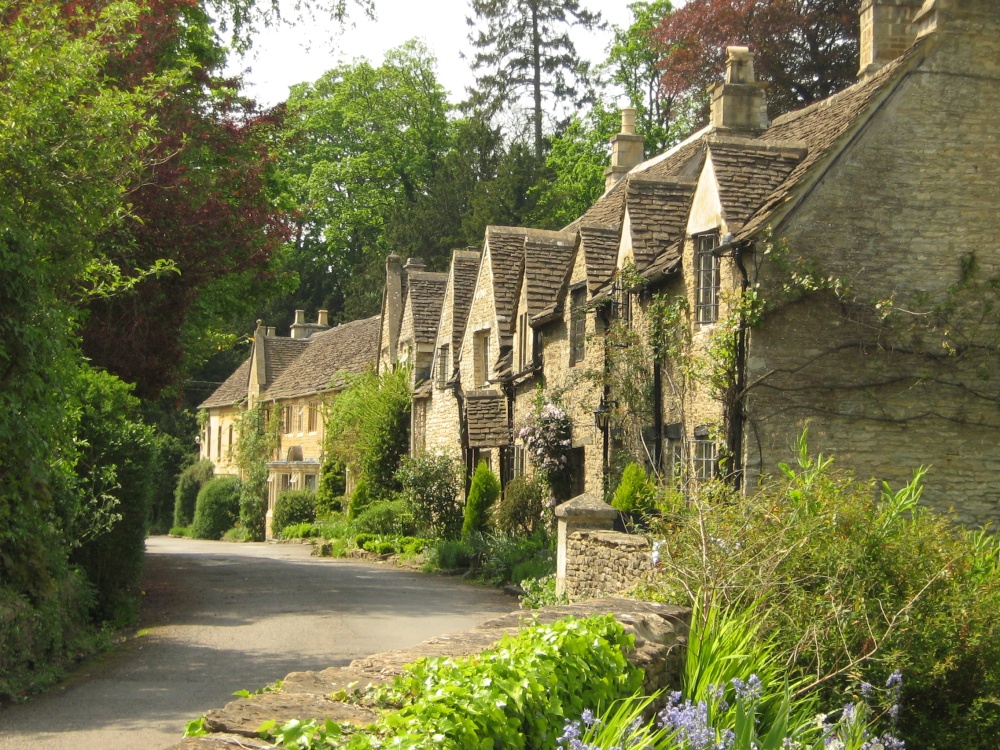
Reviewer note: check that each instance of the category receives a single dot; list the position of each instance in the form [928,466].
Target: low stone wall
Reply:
[660,632]
[605,563]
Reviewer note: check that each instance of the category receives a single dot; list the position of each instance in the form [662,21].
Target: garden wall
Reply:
[605,563]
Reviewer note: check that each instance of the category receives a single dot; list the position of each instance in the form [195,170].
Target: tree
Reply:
[360,145]
[201,205]
[525,48]
[806,49]
[662,117]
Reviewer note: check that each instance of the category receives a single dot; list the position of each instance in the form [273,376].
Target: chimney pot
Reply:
[739,103]
[628,120]
[300,316]
[323,318]
[270,331]
[627,150]
[414,264]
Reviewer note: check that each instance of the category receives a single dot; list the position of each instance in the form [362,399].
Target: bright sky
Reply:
[287,55]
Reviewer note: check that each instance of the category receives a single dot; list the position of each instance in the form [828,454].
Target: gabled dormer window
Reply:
[707,278]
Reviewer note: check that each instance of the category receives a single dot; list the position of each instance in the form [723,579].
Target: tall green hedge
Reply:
[217,509]
[189,484]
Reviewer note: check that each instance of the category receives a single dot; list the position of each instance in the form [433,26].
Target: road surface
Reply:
[226,616]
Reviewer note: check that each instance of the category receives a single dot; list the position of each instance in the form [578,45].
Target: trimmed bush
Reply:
[483,493]
[520,509]
[189,484]
[431,484]
[360,499]
[292,507]
[331,488]
[217,509]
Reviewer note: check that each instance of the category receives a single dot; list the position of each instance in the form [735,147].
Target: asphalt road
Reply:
[223,617]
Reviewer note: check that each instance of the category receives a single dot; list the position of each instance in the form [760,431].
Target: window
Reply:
[707,281]
[286,420]
[218,441]
[706,455]
[577,324]
[310,482]
[313,418]
[519,457]
[208,441]
[300,421]
[441,377]
[524,337]
[481,347]
[230,438]
[674,452]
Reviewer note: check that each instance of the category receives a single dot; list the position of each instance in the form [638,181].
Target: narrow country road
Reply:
[223,617]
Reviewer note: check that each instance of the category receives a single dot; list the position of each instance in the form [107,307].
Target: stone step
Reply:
[245,715]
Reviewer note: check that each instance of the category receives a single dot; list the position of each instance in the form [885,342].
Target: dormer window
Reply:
[707,278]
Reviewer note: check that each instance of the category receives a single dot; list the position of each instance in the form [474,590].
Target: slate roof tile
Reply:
[546,262]
[279,354]
[599,243]
[747,174]
[329,358]
[486,414]
[506,251]
[426,294]
[658,215]
[466,271]
[233,390]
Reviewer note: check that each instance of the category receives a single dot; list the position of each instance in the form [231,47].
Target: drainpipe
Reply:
[738,416]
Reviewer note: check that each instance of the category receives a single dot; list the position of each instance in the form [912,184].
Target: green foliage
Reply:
[431,485]
[300,531]
[393,517]
[360,500]
[293,507]
[516,694]
[520,509]
[853,583]
[448,554]
[217,509]
[503,554]
[367,429]
[189,484]
[483,493]
[116,450]
[257,437]
[540,592]
[180,531]
[635,493]
[331,488]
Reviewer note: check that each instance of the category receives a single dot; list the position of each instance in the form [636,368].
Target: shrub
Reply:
[300,531]
[483,492]
[360,499]
[540,592]
[503,552]
[448,554]
[635,493]
[431,484]
[857,583]
[361,539]
[381,547]
[217,509]
[180,531]
[291,507]
[393,518]
[189,484]
[331,488]
[520,509]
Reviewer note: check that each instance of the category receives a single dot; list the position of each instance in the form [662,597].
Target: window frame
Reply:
[441,366]
[577,323]
[705,455]
[707,277]
[481,358]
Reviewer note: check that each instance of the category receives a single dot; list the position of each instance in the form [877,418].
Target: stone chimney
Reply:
[323,318]
[269,332]
[393,313]
[627,150]
[299,326]
[886,32]
[414,265]
[739,103]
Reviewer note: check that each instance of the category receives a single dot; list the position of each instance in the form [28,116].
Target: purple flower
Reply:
[895,680]
[690,720]
[748,691]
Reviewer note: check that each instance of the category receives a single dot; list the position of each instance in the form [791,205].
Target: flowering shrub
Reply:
[546,433]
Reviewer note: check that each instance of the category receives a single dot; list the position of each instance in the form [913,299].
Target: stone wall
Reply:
[605,563]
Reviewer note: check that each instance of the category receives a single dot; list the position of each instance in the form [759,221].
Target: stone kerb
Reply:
[584,512]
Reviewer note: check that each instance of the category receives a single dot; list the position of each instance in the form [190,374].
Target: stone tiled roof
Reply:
[506,250]
[606,210]
[233,390]
[279,354]
[683,162]
[821,127]
[426,294]
[486,413]
[747,172]
[546,262]
[329,358]
[599,244]
[658,214]
[466,271]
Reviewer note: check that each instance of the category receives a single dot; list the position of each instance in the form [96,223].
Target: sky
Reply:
[287,55]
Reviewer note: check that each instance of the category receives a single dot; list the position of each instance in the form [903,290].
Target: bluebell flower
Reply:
[748,691]
[895,680]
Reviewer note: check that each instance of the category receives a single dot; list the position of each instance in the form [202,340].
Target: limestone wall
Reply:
[605,563]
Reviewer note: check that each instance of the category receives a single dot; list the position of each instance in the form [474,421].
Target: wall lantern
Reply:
[602,414]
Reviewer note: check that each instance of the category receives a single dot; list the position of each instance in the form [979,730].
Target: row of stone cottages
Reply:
[833,268]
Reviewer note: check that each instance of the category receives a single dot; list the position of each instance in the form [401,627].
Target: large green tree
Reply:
[360,146]
[524,48]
